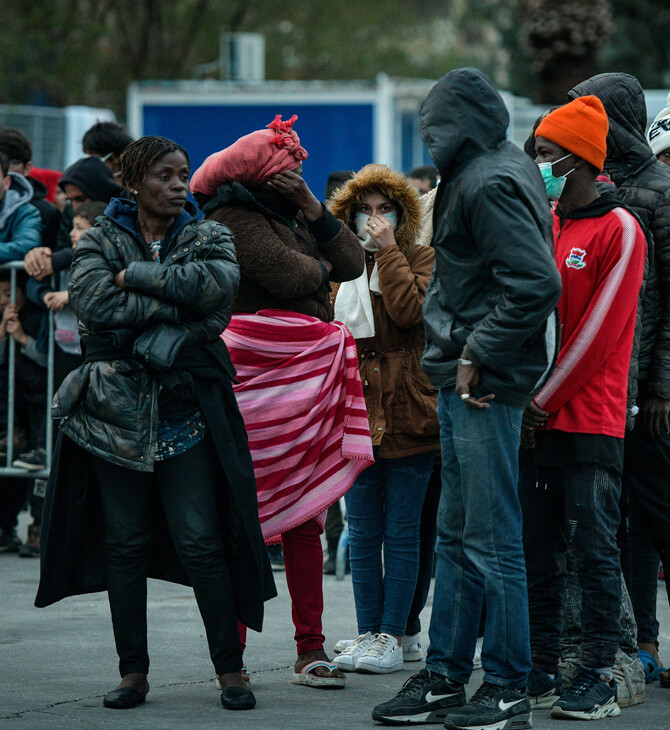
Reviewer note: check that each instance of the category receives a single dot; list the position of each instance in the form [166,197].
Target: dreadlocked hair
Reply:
[139,155]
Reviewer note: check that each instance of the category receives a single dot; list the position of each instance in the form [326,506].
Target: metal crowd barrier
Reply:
[6,469]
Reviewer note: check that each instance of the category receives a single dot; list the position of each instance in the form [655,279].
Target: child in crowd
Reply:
[67,357]
[67,354]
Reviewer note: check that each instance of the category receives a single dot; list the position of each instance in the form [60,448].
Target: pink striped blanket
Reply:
[301,398]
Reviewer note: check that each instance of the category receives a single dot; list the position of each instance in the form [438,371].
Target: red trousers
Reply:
[303,559]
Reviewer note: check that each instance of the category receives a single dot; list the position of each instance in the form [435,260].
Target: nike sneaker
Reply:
[425,698]
[543,688]
[492,707]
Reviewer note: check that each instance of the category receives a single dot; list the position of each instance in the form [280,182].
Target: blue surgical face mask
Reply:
[552,184]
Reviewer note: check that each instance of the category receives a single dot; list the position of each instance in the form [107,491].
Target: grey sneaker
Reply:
[629,675]
[569,667]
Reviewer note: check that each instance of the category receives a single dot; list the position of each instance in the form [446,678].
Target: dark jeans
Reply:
[647,477]
[427,535]
[188,488]
[576,504]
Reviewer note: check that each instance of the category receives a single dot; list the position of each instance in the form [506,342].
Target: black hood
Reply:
[604,203]
[628,151]
[93,178]
[462,116]
[39,189]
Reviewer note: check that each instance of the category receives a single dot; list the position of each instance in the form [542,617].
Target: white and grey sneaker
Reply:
[628,673]
[382,656]
[341,645]
[347,658]
[412,651]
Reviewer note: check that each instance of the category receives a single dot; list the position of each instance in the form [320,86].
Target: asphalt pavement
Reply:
[56,664]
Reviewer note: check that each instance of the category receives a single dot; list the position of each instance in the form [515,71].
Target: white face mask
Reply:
[361,219]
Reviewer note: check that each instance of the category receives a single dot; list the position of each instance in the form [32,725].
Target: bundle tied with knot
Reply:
[252,159]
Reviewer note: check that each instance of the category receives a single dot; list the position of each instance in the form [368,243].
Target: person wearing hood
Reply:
[290,248]
[382,309]
[579,416]
[20,222]
[488,317]
[658,135]
[88,179]
[643,184]
[151,473]
[16,147]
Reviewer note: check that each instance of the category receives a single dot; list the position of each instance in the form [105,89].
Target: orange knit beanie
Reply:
[580,127]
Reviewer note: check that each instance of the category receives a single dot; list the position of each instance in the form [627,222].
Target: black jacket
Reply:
[643,184]
[109,405]
[495,283]
[48,212]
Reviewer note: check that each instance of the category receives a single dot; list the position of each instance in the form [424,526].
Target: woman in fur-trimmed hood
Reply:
[382,309]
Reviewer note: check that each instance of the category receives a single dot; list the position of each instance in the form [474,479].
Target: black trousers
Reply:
[426,549]
[646,474]
[576,504]
[187,486]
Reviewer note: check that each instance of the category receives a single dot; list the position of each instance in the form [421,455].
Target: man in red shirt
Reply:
[571,492]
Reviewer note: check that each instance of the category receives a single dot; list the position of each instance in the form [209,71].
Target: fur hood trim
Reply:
[395,187]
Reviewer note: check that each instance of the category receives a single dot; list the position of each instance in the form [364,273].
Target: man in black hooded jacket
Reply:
[643,184]
[488,348]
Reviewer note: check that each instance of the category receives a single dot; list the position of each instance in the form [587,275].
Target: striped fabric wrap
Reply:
[300,394]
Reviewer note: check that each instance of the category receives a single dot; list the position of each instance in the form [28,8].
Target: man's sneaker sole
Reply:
[27,465]
[544,701]
[422,718]
[518,722]
[599,712]
[624,702]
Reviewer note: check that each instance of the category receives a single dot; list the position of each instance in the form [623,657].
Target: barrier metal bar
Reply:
[8,470]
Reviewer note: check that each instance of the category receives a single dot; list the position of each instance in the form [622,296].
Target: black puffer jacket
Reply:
[643,184]
[111,408]
[495,283]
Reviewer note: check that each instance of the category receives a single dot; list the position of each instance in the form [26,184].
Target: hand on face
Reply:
[292,186]
[381,231]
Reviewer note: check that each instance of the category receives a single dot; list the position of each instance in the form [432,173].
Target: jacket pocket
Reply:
[71,392]
[419,411]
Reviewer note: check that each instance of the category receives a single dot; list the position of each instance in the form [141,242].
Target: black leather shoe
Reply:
[123,698]
[237,698]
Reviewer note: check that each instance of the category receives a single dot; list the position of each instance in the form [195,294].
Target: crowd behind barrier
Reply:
[6,467]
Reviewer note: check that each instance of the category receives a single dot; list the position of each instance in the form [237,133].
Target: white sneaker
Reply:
[477,658]
[346,659]
[412,651]
[342,644]
[382,656]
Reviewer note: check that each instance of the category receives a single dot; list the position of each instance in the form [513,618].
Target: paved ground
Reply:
[56,664]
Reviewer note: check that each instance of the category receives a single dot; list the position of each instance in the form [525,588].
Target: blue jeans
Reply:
[384,507]
[479,546]
[576,504]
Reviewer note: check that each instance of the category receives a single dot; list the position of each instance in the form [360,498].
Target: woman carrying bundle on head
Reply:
[298,386]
